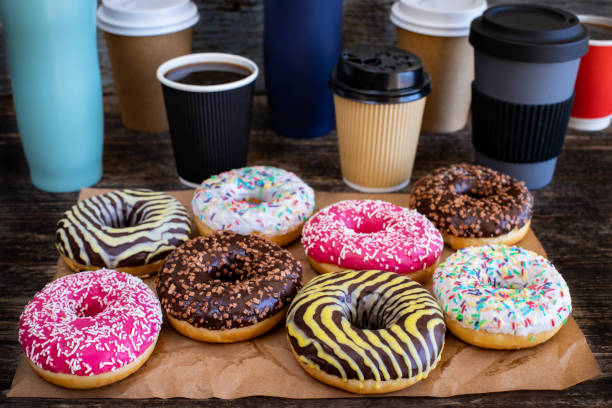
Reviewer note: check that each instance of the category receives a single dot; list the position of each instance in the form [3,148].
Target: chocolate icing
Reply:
[226,280]
[371,310]
[472,201]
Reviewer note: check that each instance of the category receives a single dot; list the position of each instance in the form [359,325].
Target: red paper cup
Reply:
[592,108]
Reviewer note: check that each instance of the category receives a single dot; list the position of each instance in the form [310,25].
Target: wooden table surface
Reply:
[572,218]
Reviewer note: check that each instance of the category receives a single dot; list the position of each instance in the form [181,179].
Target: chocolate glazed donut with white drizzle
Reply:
[131,230]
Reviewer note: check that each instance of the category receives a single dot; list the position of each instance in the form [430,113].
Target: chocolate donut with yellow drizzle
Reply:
[127,230]
[367,332]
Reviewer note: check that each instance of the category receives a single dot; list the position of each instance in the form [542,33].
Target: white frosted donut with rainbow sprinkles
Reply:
[372,234]
[262,200]
[90,329]
[501,297]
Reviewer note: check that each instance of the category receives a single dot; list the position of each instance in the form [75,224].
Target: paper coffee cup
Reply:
[379,97]
[592,108]
[377,143]
[209,124]
[140,35]
[437,31]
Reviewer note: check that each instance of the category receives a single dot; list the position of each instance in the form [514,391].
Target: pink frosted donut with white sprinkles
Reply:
[90,329]
[372,234]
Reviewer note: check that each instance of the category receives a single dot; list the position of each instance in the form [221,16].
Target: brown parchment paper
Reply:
[180,367]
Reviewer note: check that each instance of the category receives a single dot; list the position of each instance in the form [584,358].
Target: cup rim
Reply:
[217,57]
[589,18]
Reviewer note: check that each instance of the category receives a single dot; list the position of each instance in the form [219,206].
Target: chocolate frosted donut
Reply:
[227,287]
[366,332]
[129,230]
[473,205]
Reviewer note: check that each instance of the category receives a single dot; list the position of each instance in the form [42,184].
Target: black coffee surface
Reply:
[599,31]
[208,73]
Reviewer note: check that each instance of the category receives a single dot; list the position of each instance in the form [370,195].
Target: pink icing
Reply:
[90,323]
[367,234]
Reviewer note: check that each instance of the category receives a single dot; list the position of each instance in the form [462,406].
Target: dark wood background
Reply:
[573,215]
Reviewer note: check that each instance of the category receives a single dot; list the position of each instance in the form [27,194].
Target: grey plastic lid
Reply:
[530,33]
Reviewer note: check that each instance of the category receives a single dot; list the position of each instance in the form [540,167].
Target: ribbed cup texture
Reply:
[377,142]
[209,130]
[518,133]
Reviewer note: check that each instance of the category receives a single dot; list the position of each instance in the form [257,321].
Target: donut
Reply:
[227,287]
[366,332]
[501,297]
[127,230]
[90,329]
[369,234]
[473,205]
[261,200]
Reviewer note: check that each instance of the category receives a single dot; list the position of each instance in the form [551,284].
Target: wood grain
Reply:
[572,215]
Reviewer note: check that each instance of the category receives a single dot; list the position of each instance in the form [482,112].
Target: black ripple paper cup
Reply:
[209,124]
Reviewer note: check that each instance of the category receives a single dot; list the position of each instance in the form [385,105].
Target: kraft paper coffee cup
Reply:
[526,61]
[209,124]
[437,31]
[592,108]
[379,98]
[140,35]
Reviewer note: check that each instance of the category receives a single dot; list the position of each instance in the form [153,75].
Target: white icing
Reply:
[284,201]
[500,289]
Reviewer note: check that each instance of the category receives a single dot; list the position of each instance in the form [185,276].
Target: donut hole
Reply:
[231,269]
[131,216]
[228,274]
[511,280]
[474,191]
[361,313]
[362,225]
[90,308]
[252,200]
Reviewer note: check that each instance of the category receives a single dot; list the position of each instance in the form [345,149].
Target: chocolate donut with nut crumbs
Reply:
[227,287]
[473,205]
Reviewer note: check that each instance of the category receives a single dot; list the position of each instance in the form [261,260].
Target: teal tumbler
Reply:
[57,89]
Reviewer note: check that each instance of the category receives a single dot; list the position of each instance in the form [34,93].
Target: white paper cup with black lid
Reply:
[379,97]
[526,61]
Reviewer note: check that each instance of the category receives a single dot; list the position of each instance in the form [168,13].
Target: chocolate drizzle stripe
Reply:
[335,324]
[98,232]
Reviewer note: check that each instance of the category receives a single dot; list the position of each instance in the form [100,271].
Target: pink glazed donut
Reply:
[369,234]
[90,329]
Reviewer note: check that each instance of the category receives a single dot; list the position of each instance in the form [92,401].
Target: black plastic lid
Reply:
[529,33]
[380,74]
